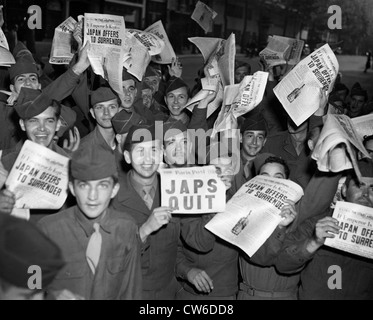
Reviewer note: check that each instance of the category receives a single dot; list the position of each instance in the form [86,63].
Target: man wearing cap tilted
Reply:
[105,105]
[25,74]
[253,138]
[176,98]
[101,246]
[140,197]
[39,119]
[23,245]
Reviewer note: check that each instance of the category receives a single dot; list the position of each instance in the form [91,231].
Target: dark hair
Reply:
[58,107]
[279,161]
[351,175]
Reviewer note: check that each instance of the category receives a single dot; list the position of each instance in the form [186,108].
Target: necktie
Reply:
[247,169]
[147,196]
[94,248]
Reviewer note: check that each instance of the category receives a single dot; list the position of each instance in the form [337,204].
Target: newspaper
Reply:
[39,178]
[239,99]
[275,52]
[61,52]
[356,235]
[294,53]
[204,16]
[106,33]
[136,58]
[300,90]
[3,40]
[195,190]
[219,55]
[363,125]
[253,213]
[338,129]
[151,41]
[168,53]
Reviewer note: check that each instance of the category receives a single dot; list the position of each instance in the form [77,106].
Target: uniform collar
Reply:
[87,225]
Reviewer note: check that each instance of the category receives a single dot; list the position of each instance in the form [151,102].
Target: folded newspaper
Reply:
[282,50]
[219,56]
[39,178]
[334,150]
[253,213]
[300,90]
[356,234]
[239,99]
[167,54]
[6,57]
[61,52]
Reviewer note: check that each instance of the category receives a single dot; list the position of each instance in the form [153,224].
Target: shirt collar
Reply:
[139,187]
[87,224]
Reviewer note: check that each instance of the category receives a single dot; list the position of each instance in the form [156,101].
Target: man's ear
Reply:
[22,124]
[59,124]
[118,137]
[127,156]
[39,86]
[115,190]
[265,141]
[71,187]
[240,138]
[92,113]
[344,191]
[310,144]
[12,88]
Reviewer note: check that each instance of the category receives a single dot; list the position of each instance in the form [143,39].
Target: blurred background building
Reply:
[251,20]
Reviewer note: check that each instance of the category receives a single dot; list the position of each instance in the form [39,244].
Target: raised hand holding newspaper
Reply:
[356,234]
[253,213]
[219,55]
[204,16]
[39,178]
[61,52]
[334,149]
[194,190]
[300,90]
[139,47]
[239,99]
[167,55]
[106,33]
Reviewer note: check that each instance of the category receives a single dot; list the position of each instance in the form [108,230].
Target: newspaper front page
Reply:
[253,213]
[300,90]
[106,33]
[356,234]
[39,178]
[61,52]
[195,190]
